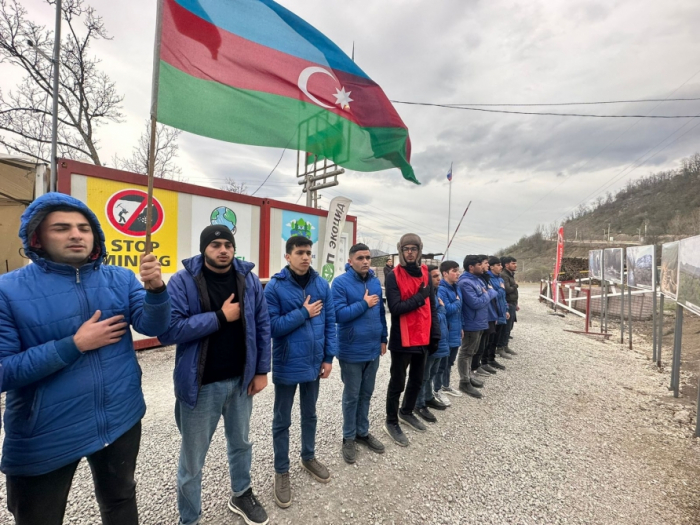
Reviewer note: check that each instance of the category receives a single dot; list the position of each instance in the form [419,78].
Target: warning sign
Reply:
[121,209]
[126,212]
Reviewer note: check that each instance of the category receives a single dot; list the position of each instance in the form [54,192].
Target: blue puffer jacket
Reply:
[300,343]
[475,310]
[361,329]
[190,326]
[453,306]
[63,404]
[498,306]
[443,346]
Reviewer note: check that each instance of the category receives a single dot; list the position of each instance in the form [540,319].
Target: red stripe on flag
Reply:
[187,42]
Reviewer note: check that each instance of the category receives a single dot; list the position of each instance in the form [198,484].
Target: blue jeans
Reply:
[197,427]
[442,378]
[282,419]
[358,379]
[426,391]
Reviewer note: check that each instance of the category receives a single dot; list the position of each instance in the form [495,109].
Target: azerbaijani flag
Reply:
[252,72]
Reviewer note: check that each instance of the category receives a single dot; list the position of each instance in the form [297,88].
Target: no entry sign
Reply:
[126,212]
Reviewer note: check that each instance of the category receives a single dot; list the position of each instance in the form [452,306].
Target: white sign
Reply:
[337,211]
[234,215]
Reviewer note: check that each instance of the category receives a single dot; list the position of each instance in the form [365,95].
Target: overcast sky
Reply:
[517,170]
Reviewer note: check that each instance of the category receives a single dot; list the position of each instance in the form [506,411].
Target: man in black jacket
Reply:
[510,265]
[415,333]
[388,267]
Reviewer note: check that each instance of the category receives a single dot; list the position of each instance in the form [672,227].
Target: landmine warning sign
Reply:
[127,209]
[121,210]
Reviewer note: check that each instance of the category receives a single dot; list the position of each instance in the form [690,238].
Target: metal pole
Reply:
[677,341]
[655,344]
[449,211]
[629,314]
[149,199]
[602,292]
[697,414]
[622,313]
[590,289]
[660,337]
[54,114]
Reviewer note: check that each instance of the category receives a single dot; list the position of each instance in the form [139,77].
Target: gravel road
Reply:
[575,431]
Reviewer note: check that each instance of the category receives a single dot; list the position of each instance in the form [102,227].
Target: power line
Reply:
[548,114]
[574,103]
[609,144]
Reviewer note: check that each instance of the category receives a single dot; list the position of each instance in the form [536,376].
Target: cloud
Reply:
[517,170]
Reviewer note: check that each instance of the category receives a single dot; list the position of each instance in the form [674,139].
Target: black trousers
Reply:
[400,361]
[481,354]
[493,342]
[41,500]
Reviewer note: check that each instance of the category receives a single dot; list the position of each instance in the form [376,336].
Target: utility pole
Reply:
[316,175]
[54,115]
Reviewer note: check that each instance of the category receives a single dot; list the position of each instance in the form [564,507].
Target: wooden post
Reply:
[149,202]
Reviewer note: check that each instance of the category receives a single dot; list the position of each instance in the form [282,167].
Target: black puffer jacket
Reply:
[511,287]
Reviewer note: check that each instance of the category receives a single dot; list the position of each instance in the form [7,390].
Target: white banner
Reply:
[335,223]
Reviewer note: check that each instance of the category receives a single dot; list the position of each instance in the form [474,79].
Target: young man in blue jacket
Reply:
[426,396]
[222,330]
[485,361]
[498,312]
[362,337]
[451,297]
[476,297]
[302,318]
[70,371]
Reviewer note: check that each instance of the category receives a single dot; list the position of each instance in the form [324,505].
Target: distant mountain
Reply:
[651,210]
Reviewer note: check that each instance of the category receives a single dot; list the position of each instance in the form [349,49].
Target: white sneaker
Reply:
[442,398]
[451,391]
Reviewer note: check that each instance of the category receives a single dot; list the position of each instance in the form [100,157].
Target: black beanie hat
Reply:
[215,232]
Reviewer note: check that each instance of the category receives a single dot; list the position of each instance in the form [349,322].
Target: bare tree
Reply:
[87,97]
[235,187]
[166,153]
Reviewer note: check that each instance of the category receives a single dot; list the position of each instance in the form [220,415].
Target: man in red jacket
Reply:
[415,333]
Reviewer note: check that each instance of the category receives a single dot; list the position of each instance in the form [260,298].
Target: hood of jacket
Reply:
[37,212]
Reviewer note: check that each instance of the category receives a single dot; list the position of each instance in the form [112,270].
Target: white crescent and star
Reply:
[342,97]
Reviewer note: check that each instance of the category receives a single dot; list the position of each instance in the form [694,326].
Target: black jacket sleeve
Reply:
[393,298]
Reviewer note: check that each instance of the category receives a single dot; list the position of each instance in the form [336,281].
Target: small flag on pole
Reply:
[449,174]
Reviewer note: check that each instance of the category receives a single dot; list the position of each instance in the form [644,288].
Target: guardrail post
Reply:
[629,313]
[660,338]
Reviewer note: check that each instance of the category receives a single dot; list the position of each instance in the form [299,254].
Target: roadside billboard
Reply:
[594,264]
[669,269]
[614,265]
[689,274]
[641,267]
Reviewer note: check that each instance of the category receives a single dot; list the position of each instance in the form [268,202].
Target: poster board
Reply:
[689,274]
[242,219]
[641,267]
[669,269]
[614,265]
[595,267]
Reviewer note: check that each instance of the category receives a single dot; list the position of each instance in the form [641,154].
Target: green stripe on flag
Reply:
[257,118]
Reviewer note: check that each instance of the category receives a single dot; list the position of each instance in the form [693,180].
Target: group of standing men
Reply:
[74,385]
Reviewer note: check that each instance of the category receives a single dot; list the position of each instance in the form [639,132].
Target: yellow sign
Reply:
[121,210]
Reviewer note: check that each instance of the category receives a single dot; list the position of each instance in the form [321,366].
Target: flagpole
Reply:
[456,230]
[154,113]
[449,211]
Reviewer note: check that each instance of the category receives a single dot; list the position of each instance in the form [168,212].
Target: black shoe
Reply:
[394,431]
[371,443]
[496,364]
[509,351]
[435,403]
[349,452]
[412,421]
[426,414]
[489,368]
[476,383]
[468,389]
[248,507]
[510,337]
